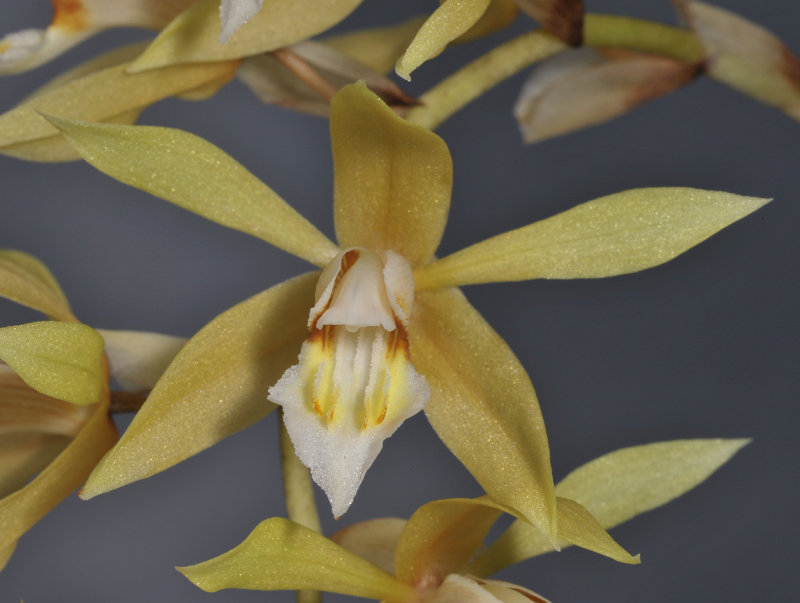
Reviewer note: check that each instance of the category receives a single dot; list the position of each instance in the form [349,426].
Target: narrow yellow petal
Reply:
[392,180]
[58,359]
[282,555]
[499,15]
[621,233]
[483,405]
[137,359]
[577,526]
[449,21]
[23,455]
[442,536]
[374,540]
[192,173]
[377,47]
[194,35]
[22,509]
[216,385]
[745,56]
[617,487]
[103,95]
[27,281]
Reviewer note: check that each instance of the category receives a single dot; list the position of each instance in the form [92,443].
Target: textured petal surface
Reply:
[193,173]
[746,56]
[27,281]
[616,487]
[58,359]
[136,359]
[22,509]
[449,21]
[374,540]
[392,180]
[216,385]
[103,95]
[194,35]
[377,47]
[577,526]
[282,555]
[442,536]
[483,405]
[582,87]
[621,233]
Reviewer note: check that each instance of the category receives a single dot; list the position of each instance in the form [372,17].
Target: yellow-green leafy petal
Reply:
[617,234]
[499,15]
[193,36]
[136,359]
[617,487]
[59,359]
[374,540]
[577,526]
[192,173]
[216,385]
[20,510]
[483,405]
[452,19]
[442,536]
[392,180]
[26,280]
[102,96]
[377,47]
[282,555]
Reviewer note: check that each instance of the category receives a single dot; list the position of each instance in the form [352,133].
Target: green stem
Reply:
[299,493]
[500,63]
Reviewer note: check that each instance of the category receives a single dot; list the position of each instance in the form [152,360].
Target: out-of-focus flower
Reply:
[439,554]
[385,323]
[76,20]
[54,395]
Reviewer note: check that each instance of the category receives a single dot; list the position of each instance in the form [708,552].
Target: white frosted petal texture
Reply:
[235,13]
[354,383]
[30,48]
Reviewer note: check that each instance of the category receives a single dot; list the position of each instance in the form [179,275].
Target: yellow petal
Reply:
[216,385]
[5,553]
[282,555]
[499,15]
[441,537]
[27,281]
[577,526]
[621,233]
[74,21]
[392,180]
[746,56]
[483,405]
[377,47]
[22,509]
[194,35]
[562,18]
[617,487]
[193,173]
[23,455]
[137,359]
[374,540]
[449,21]
[102,95]
[59,359]
[583,87]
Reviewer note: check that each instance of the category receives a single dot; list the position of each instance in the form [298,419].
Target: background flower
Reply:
[706,345]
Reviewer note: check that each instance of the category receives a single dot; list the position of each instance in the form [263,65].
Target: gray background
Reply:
[704,346]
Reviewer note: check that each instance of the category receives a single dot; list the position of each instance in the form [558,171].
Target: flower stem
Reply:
[299,493]
[485,72]
[500,63]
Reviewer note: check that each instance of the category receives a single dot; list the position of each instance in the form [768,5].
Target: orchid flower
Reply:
[54,395]
[381,332]
[438,555]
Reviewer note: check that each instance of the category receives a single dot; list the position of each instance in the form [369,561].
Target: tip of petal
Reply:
[18,49]
[235,13]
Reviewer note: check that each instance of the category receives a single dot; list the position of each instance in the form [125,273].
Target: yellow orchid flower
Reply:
[54,395]
[438,555]
[381,332]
